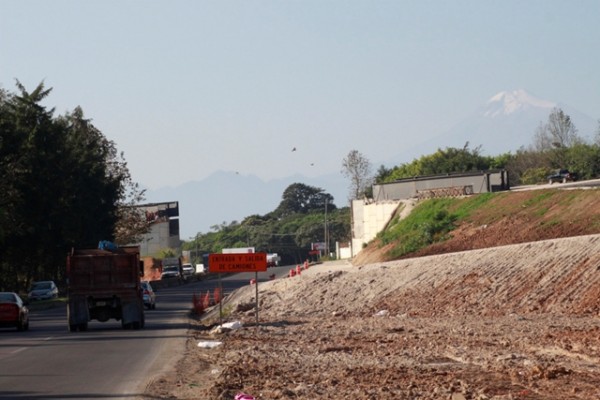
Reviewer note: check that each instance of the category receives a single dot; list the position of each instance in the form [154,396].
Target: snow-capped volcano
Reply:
[506,103]
[506,122]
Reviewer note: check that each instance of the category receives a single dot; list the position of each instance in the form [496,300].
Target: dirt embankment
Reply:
[511,218]
[520,321]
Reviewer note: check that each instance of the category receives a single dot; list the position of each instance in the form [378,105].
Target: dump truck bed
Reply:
[104,285]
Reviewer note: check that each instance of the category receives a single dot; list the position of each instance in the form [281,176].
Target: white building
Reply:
[370,216]
[164,228]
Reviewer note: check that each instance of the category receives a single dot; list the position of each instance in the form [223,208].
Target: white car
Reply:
[43,290]
[188,270]
[171,271]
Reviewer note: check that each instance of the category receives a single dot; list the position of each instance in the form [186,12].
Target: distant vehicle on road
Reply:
[200,269]
[273,260]
[188,270]
[238,250]
[148,295]
[43,290]
[13,312]
[171,271]
[171,268]
[562,175]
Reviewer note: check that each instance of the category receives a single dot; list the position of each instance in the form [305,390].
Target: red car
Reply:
[13,312]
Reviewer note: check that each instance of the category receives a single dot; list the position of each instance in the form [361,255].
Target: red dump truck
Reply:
[105,284]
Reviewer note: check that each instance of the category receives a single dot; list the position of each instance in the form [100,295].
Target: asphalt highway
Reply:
[104,362]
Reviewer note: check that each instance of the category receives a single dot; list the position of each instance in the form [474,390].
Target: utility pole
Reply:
[325,235]
[197,258]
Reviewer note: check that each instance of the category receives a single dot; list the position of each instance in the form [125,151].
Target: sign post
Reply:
[220,302]
[238,262]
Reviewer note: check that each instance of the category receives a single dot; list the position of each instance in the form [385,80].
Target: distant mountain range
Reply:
[227,196]
[506,122]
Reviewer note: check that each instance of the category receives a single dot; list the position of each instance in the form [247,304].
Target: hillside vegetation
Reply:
[456,224]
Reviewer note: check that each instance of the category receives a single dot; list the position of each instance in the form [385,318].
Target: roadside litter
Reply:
[226,327]
[243,396]
[209,344]
[232,325]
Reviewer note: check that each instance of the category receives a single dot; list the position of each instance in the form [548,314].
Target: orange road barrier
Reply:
[206,300]
[217,295]
[292,272]
[198,306]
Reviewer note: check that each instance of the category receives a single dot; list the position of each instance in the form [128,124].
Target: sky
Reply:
[186,88]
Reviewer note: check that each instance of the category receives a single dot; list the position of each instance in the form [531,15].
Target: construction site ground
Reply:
[515,321]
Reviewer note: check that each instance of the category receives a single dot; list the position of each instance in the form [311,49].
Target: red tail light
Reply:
[9,311]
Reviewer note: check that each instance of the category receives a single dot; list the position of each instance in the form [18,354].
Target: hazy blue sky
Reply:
[189,87]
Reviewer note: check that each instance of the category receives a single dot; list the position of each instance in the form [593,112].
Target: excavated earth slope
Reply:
[513,322]
[520,321]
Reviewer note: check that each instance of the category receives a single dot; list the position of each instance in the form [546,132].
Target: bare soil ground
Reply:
[519,321]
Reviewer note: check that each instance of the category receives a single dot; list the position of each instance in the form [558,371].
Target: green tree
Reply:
[106,193]
[301,198]
[525,165]
[289,230]
[63,185]
[41,154]
[449,160]
[10,169]
[583,159]
[383,174]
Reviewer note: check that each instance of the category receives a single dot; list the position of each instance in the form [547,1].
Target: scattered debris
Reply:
[209,344]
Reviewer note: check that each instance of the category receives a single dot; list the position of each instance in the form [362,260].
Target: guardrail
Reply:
[170,282]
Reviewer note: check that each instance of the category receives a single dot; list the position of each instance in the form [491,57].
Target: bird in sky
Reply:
[294,149]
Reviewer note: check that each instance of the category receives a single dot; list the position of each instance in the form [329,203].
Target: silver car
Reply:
[43,290]
[148,295]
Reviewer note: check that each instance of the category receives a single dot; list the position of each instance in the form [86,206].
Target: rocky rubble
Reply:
[512,322]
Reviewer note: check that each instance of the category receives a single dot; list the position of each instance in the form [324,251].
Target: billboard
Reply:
[163,212]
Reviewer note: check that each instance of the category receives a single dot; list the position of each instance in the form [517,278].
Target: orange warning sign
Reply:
[237,262]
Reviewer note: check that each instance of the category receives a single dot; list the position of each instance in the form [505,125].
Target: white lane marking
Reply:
[9,352]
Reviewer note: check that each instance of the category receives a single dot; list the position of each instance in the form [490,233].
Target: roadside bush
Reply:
[534,176]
